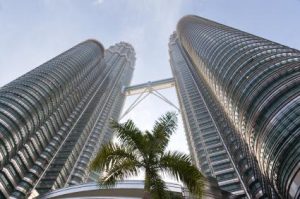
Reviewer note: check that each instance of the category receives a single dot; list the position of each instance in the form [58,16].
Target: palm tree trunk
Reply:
[147,186]
[146,195]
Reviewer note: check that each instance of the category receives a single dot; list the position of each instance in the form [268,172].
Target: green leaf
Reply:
[180,166]
[111,154]
[164,127]
[118,172]
[129,135]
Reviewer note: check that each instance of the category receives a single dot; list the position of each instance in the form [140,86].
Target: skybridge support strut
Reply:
[145,89]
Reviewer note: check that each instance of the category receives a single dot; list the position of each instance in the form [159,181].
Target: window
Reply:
[222,166]
[218,157]
[226,176]
[231,187]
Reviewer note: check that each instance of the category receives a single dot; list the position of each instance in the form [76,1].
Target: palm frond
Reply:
[119,171]
[129,135]
[149,140]
[111,154]
[180,166]
[163,128]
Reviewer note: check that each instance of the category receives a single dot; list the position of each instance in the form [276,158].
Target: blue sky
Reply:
[34,31]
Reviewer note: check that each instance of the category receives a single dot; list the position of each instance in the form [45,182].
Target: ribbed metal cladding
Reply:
[49,114]
[207,147]
[121,55]
[256,83]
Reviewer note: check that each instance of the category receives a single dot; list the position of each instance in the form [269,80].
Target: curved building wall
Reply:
[133,189]
[120,54]
[206,145]
[48,115]
[256,82]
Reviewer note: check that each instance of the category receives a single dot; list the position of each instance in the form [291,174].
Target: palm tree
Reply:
[146,151]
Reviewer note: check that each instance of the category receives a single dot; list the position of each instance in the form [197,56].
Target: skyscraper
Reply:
[205,143]
[239,95]
[54,118]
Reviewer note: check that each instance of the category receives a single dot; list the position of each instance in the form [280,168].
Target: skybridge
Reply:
[145,89]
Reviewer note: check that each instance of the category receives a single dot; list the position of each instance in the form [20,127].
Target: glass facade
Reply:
[206,145]
[251,87]
[54,118]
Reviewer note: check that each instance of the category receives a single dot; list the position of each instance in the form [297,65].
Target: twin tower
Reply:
[239,97]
